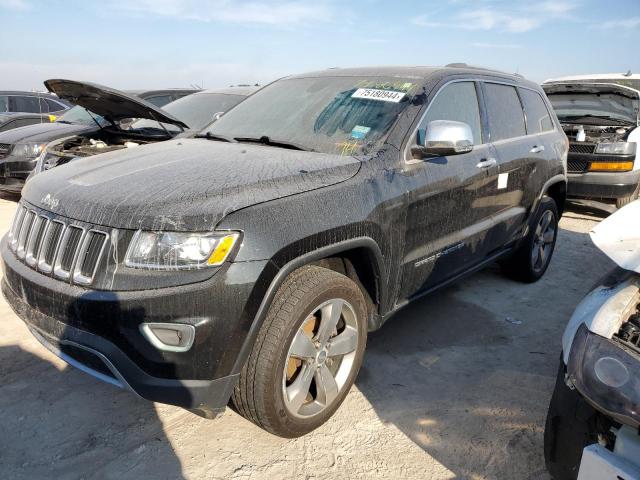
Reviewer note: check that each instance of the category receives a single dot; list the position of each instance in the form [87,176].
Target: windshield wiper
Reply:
[219,138]
[264,140]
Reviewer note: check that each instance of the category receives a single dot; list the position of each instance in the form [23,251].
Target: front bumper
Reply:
[99,332]
[598,463]
[14,172]
[602,185]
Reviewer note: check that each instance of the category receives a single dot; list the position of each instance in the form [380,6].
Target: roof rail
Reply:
[476,67]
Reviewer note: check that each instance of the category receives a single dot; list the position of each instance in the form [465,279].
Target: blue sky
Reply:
[172,43]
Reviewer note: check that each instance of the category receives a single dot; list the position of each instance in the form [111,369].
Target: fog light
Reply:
[612,372]
[171,337]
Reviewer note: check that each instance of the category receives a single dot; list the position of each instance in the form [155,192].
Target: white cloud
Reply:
[19,5]
[632,22]
[271,12]
[512,19]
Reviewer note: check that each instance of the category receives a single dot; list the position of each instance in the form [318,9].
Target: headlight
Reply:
[27,150]
[178,250]
[618,148]
[607,375]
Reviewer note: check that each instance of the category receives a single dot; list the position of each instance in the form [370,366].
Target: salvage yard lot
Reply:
[454,386]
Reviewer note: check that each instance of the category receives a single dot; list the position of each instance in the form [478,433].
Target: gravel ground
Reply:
[454,386]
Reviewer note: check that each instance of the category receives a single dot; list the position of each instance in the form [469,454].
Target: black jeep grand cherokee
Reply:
[248,264]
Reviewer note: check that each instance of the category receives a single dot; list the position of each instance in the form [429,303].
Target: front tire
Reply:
[307,353]
[531,259]
[624,201]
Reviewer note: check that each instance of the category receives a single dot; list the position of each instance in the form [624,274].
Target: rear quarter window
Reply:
[538,117]
[506,117]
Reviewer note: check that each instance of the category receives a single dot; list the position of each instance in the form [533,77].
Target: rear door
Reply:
[517,154]
[448,197]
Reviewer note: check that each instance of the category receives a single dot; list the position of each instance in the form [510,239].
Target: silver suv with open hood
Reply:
[600,117]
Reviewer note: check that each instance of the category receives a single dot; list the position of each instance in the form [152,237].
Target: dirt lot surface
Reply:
[454,386]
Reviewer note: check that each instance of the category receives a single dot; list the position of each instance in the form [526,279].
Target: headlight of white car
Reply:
[617,148]
[179,250]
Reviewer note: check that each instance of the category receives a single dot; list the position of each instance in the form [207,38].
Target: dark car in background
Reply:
[160,98]
[601,116]
[18,109]
[250,261]
[195,111]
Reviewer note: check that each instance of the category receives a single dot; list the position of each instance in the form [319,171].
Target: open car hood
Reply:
[618,236]
[111,104]
[567,87]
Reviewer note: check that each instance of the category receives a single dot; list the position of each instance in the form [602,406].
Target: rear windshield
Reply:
[338,115]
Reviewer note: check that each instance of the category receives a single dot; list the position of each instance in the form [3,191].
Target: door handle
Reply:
[489,162]
[537,149]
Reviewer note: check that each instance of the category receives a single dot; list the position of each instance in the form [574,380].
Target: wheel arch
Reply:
[357,258]
[556,188]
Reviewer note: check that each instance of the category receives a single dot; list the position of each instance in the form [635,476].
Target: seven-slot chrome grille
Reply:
[57,247]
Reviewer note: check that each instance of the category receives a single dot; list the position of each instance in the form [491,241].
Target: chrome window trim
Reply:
[408,161]
[42,265]
[77,269]
[58,271]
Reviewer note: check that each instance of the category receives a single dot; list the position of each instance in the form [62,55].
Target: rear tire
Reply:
[621,202]
[313,337]
[531,259]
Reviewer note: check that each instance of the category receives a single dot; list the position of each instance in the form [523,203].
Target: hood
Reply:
[42,132]
[181,185]
[111,104]
[561,87]
[618,236]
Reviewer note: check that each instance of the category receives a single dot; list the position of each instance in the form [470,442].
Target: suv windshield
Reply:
[81,116]
[576,105]
[196,110]
[338,115]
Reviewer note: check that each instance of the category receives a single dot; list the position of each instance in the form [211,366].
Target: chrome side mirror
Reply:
[443,138]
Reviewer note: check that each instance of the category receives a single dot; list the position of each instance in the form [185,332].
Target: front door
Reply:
[448,198]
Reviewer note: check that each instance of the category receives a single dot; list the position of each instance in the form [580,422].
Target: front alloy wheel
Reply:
[320,358]
[307,353]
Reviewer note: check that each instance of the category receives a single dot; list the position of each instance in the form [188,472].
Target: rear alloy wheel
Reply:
[532,257]
[307,353]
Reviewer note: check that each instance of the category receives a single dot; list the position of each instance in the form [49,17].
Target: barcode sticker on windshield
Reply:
[381,95]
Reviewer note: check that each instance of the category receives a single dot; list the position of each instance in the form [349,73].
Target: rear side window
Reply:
[506,118]
[538,118]
[457,102]
[27,105]
[4,103]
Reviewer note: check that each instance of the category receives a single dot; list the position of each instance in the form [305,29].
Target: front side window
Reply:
[346,115]
[456,102]
[538,118]
[4,103]
[506,118]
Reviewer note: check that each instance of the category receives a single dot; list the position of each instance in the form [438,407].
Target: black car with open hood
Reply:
[95,125]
